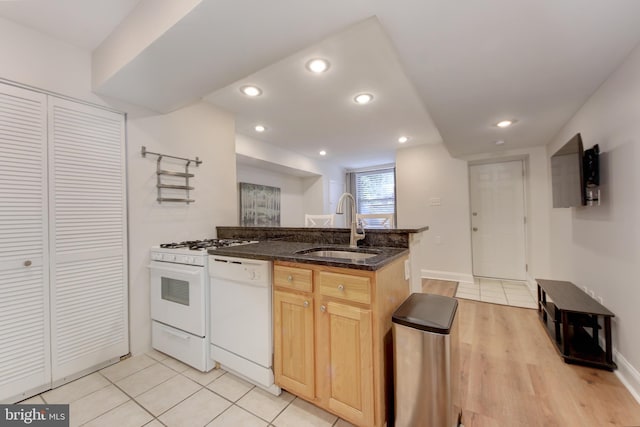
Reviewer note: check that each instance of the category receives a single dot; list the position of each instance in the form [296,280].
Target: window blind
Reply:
[376,191]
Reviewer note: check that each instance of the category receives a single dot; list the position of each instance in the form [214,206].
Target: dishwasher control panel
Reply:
[240,269]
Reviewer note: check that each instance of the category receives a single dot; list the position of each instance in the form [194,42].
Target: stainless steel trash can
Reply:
[426,362]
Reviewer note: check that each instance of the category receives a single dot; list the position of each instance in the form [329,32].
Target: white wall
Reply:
[292,207]
[317,174]
[425,172]
[599,247]
[34,59]
[198,130]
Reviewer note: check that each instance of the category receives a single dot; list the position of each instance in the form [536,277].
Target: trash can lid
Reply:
[427,312]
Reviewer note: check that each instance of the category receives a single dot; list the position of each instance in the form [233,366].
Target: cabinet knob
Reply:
[289,278]
[323,308]
[341,287]
[475,228]
[305,304]
[27,263]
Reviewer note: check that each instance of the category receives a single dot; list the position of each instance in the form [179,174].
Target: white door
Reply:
[25,354]
[88,244]
[498,220]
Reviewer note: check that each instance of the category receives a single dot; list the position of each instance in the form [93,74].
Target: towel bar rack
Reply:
[160,172]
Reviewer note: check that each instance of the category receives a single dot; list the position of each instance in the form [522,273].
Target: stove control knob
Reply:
[252,274]
[190,260]
[169,257]
[156,256]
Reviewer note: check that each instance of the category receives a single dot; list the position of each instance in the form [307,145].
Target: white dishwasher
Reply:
[242,318]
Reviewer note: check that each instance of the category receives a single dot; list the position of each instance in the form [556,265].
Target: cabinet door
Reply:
[294,358]
[345,365]
[87,211]
[25,361]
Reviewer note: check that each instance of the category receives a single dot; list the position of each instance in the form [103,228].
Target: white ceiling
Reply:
[82,23]
[440,70]
[307,112]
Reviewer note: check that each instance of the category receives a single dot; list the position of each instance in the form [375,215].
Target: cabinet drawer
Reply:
[299,279]
[344,286]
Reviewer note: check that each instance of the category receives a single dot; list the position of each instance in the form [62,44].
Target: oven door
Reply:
[178,296]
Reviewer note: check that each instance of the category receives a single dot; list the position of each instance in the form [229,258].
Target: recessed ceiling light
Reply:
[318,65]
[260,128]
[403,139]
[251,90]
[500,142]
[323,153]
[363,98]
[504,123]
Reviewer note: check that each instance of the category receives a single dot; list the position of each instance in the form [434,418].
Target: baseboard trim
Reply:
[628,375]
[533,285]
[447,275]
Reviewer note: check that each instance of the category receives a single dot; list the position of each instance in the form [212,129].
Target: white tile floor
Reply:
[505,292]
[155,390]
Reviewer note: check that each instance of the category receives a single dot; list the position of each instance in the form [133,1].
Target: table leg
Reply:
[607,339]
[539,299]
[557,315]
[565,333]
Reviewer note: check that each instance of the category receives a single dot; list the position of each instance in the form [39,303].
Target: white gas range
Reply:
[180,300]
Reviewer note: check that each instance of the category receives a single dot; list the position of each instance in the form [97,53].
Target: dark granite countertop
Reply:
[279,250]
[374,237]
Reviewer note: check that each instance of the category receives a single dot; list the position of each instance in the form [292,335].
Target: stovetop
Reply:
[203,245]
[192,252]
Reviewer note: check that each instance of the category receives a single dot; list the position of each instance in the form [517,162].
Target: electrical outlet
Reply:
[435,201]
[438,240]
[407,270]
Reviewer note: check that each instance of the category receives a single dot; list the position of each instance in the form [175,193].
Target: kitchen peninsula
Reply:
[332,308]
[407,238]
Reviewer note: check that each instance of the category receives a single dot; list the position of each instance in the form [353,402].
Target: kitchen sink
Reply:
[342,253]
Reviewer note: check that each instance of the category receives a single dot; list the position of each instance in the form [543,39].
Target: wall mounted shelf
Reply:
[163,172]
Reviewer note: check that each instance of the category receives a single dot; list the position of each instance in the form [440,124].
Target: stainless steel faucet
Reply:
[355,236]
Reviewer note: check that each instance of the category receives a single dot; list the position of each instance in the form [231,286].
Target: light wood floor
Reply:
[513,376]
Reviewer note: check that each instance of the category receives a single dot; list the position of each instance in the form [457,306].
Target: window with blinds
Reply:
[375,191]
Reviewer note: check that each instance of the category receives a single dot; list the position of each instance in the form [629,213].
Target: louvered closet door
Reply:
[89,319]
[24,290]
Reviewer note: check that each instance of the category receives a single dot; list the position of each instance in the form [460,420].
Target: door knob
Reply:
[323,308]
[305,304]
[475,228]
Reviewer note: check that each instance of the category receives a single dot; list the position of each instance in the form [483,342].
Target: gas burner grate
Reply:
[201,245]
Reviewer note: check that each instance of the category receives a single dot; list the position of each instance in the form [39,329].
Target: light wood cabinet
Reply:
[346,368]
[346,357]
[294,356]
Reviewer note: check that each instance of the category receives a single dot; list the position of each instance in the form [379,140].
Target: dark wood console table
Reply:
[566,318]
